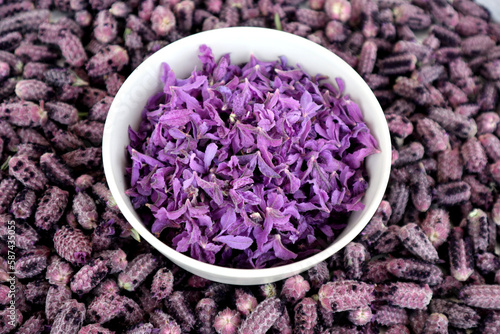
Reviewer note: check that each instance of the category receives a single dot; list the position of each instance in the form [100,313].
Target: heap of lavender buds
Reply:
[426,263]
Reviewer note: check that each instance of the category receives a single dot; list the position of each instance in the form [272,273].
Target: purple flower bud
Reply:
[227,321]
[387,315]
[405,295]
[51,207]
[137,271]
[482,296]
[162,285]
[295,288]
[72,245]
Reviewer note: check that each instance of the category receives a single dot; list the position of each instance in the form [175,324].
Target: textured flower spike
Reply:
[388,241]
[108,285]
[36,291]
[94,329]
[413,270]
[32,262]
[262,318]
[398,198]
[487,122]
[90,157]
[447,288]
[162,20]
[8,134]
[450,165]
[410,153]
[27,172]
[162,285]
[32,52]
[25,114]
[51,207]
[132,311]
[227,321]
[477,45]
[89,276]
[360,316]
[61,112]
[482,296]
[355,256]
[72,245]
[420,188]
[111,58]
[295,288]
[318,275]
[136,24]
[436,226]
[5,297]
[387,315]
[417,319]
[474,156]
[415,240]
[406,295]
[72,49]
[105,27]
[117,260]
[458,315]
[69,319]
[59,272]
[345,295]
[398,64]
[245,302]
[368,58]
[452,193]
[178,306]
[487,262]
[103,194]
[33,325]
[113,83]
[137,271]
[56,296]
[85,210]
[306,316]
[399,126]
[99,110]
[105,307]
[8,189]
[9,320]
[33,90]
[434,137]
[454,123]
[481,194]
[206,310]
[10,41]
[55,170]
[478,228]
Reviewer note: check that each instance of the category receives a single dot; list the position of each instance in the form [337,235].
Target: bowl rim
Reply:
[263,274]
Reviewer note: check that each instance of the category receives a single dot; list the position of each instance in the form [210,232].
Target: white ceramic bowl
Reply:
[240,42]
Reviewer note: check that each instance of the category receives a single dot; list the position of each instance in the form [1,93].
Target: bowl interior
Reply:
[241,42]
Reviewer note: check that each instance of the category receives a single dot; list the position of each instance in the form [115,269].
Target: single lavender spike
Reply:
[473,155]
[24,21]
[113,83]
[110,58]
[85,210]
[487,262]
[8,189]
[84,158]
[398,64]
[468,7]
[27,172]
[436,226]
[434,137]
[477,224]
[262,318]
[59,272]
[33,325]
[387,315]
[412,15]
[14,62]
[62,76]
[376,271]
[368,58]
[471,25]
[413,270]
[454,123]
[89,276]
[314,19]
[55,170]
[355,256]
[405,295]
[25,114]
[91,96]
[105,307]
[373,231]
[105,27]
[117,260]
[444,13]
[477,45]
[69,319]
[488,97]
[32,152]
[36,291]
[51,207]
[10,41]
[32,262]
[481,195]
[62,112]
[90,130]
[24,203]
[446,37]
[345,295]
[461,255]
[447,288]
[227,321]
[306,316]
[360,316]
[206,310]
[398,198]
[69,93]
[415,240]
[450,166]
[487,122]
[32,52]
[482,296]
[490,70]
[336,31]
[399,125]
[295,288]
[162,284]
[137,271]
[420,189]
[99,110]
[10,138]
[177,304]
[72,245]
[72,49]
[452,193]
[62,140]
[33,90]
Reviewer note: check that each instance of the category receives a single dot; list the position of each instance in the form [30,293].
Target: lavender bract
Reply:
[272,157]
